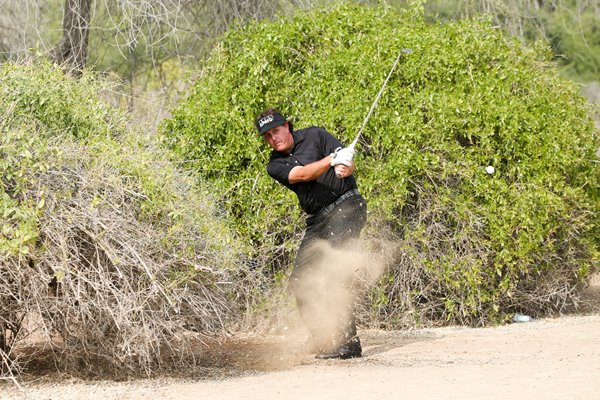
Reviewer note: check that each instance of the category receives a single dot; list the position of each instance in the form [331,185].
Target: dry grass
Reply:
[114,279]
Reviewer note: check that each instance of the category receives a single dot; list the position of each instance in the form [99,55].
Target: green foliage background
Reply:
[478,246]
[575,39]
[569,26]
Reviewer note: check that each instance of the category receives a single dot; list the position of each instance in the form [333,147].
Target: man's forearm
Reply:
[309,172]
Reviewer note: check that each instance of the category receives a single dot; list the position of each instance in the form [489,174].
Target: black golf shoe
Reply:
[350,349]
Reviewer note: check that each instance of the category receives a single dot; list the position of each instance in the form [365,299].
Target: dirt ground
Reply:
[543,359]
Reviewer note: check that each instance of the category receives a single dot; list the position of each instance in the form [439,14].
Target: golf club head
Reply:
[407,51]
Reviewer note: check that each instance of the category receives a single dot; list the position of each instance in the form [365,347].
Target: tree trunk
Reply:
[71,52]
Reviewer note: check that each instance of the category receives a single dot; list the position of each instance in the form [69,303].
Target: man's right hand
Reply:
[343,156]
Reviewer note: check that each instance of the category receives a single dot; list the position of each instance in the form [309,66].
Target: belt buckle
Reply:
[328,208]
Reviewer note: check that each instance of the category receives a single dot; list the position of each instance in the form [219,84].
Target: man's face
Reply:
[280,138]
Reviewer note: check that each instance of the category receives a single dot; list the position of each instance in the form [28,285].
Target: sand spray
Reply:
[336,280]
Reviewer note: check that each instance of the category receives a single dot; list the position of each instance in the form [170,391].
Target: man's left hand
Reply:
[343,157]
[343,171]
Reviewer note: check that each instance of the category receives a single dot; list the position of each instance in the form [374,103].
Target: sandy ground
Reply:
[542,359]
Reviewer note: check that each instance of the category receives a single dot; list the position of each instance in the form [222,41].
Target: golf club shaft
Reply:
[406,51]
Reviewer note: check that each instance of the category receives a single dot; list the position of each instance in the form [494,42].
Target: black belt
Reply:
[327,209]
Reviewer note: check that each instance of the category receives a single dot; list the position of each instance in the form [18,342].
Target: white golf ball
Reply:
[489,169]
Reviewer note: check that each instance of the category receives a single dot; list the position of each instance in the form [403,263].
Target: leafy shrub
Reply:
[570,27]
[576,40]
[472,247]
[106,249]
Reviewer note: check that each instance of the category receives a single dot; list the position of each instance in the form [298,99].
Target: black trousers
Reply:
[322,281]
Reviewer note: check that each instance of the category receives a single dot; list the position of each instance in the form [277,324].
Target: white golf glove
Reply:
[343,156]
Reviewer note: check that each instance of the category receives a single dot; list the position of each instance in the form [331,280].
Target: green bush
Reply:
[570,27]
[575,38]
[473,247]
[107,250]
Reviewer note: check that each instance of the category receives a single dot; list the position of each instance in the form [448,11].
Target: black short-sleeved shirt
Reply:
[310,145]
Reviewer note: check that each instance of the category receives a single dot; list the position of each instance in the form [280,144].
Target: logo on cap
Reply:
[263,121]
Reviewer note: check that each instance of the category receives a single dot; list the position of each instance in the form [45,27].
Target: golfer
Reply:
[313,164]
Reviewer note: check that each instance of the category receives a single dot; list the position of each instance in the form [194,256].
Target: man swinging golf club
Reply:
[313,164]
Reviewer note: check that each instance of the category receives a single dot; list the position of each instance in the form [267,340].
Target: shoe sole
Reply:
[334,356]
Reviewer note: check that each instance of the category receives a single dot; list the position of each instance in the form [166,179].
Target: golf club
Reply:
[403,51]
